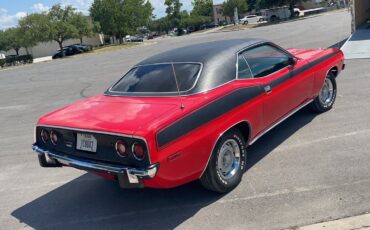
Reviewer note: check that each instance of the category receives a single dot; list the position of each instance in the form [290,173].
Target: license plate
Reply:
[86,142]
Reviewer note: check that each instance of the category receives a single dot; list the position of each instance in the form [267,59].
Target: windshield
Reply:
[158,78]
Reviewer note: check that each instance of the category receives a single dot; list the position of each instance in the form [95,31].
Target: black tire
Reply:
[274,18]
[245,23]
[42,161]
[318,105]
[211,178]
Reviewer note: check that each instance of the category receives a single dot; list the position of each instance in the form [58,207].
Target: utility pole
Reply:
[236,16]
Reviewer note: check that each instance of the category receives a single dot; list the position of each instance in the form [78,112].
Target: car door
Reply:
[283,90]
[252,19]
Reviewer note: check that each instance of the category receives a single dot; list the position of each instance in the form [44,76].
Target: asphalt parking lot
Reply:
[307,170]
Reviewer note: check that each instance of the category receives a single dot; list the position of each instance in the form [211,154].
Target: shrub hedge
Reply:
[13,60]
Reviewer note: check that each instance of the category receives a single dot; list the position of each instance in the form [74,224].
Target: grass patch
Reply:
[238,27]
[109,48]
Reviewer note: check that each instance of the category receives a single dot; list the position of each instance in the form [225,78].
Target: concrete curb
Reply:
[361,222]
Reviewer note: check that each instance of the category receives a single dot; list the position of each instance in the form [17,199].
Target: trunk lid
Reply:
[308,54]
[111,114]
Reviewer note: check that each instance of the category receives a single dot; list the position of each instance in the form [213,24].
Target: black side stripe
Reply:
[207,113]
[297,72]
[223,105]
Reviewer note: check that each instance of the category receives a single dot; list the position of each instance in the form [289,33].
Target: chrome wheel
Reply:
[326,96]
[228,160]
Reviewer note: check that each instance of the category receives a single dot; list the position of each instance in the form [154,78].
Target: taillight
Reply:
[139,151]
[121,148]
[44,135]
[54,137]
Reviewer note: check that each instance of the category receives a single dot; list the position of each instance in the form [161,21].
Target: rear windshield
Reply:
[158,78]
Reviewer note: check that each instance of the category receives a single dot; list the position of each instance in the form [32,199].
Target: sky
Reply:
[12,10]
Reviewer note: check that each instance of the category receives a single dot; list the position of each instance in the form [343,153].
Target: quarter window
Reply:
[243,70]
[264,60]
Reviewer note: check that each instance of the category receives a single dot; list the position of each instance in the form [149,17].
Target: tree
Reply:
[202,8]
[229,5]
[13,39]
[196,21]
[173,11]
[4,45]
[61,26]
[137,13]
[120,17]
[251,4]
[160,25]
[34,28]
[84,26]
[108,14]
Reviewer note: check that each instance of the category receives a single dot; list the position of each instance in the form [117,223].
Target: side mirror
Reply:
[292,61]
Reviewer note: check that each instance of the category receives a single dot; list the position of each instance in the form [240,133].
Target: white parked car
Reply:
[251,19]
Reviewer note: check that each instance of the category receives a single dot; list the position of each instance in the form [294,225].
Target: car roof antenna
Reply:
[177,86]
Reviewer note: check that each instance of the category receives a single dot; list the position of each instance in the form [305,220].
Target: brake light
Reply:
[121,148]
[44,135]
[139,151]
[54,137]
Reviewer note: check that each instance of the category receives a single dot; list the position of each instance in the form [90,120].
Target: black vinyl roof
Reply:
[218,59]
[204,53]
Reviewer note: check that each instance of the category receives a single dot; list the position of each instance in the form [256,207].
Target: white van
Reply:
[278,13]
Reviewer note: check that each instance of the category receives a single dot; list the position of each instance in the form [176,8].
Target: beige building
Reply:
[360,10]
[218,17]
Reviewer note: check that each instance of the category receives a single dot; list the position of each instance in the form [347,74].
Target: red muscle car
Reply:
[189,114]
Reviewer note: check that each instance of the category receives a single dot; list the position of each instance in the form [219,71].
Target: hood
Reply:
[111,114]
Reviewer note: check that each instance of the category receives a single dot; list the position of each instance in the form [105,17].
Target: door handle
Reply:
[268,89]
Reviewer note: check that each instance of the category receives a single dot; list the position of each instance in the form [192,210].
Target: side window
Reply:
[243,70]
[264,60]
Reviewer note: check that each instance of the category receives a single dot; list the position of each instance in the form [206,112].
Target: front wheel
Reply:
[227,163]
[326,98]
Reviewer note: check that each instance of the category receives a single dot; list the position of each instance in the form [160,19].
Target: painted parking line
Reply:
[324,139]
[360,222]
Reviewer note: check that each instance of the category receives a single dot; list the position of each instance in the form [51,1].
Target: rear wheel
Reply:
[227,163]
[326,98]
[274,18]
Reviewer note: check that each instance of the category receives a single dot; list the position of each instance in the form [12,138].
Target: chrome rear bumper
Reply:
[133,174]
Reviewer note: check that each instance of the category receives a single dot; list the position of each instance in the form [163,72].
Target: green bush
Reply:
[2,63]
[25,58]
[12,60]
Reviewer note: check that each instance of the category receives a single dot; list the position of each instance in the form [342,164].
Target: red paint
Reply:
[184,159]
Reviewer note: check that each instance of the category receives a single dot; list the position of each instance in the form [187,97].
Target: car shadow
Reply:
[278,135]
[89,202]
[339,44]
